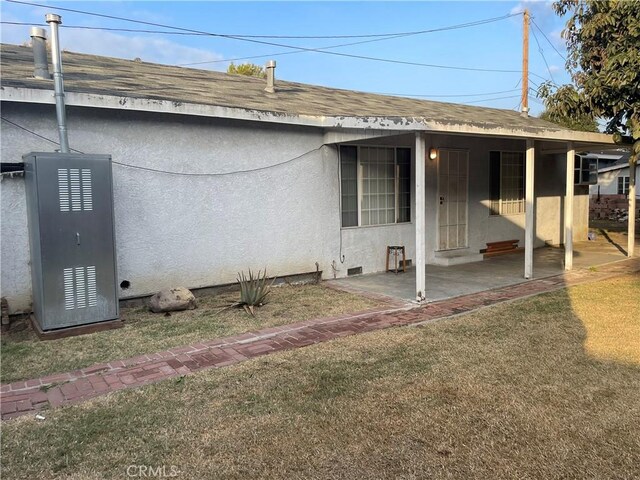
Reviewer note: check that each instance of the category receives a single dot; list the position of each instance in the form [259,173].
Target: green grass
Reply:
[24,356]
[546,387]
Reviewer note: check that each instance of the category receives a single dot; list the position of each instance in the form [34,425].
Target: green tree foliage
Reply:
[248,69]
[603,42]
[585,123]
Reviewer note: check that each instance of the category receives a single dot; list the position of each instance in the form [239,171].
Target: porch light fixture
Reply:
[433,153]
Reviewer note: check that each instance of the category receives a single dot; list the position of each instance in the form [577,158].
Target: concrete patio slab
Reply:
[456,280]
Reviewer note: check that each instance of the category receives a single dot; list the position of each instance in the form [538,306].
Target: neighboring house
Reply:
[213,175]
[613,179]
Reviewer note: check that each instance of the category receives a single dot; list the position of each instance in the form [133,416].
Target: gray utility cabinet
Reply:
[73,262]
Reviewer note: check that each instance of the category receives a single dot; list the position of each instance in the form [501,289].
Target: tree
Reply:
[248,69]
[585,123]
[603,42]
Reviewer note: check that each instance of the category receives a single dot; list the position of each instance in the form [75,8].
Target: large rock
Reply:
[172,299]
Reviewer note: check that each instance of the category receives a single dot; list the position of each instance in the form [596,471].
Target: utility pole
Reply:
[525,64]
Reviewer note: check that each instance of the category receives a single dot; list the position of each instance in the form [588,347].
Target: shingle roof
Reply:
[112,76]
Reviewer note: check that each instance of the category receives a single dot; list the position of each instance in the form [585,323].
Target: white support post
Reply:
[530,214]
[568,209]
[421,248]
[631,228]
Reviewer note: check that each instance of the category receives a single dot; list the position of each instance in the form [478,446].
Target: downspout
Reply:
[56,58]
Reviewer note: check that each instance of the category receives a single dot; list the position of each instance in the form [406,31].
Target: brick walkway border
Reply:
[31,396]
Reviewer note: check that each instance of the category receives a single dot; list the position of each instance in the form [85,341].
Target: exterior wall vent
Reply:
[354,271]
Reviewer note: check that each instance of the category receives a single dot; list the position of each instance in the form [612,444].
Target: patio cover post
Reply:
[421,248]
[631,226]
[529,215]
[568,209]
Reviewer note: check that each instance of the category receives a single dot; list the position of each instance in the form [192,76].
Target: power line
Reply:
[547,39]
[34,133]
[262,42]
[168,172]
[491,99]
[444,96]
[299,37]
[535,37]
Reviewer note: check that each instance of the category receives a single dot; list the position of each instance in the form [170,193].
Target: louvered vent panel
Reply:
[69,298]
[63,189]
[76,199]
[75,189]
[87,191]
[80,287]
[92,291]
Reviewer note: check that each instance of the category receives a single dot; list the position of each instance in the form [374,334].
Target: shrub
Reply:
[253,290]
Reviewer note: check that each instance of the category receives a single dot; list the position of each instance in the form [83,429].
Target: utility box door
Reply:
[76,239]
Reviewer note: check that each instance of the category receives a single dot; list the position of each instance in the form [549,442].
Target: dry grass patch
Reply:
[24,356]
[507,392]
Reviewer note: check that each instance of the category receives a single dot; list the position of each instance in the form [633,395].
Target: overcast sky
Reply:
[496,45]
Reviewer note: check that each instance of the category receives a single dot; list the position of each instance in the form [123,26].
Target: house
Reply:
[610,196]
[212,174]
[613,178]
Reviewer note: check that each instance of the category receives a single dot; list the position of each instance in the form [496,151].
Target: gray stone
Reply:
[172,299]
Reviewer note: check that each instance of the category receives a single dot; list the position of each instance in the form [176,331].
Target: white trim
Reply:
[612,168]
[406,124]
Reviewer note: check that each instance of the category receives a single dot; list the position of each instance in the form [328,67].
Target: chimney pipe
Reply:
[270,69]
[39,46]
[56,58]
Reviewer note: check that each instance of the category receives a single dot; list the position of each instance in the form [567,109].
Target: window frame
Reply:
[360,189]
[626,184]
[499,212]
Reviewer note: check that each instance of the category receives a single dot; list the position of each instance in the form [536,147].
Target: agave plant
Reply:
[253,290]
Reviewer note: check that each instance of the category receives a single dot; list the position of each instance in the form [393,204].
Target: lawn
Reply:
[545,387]
[24,356]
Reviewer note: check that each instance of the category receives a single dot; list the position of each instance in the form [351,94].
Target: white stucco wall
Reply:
[200,231]
[608,181]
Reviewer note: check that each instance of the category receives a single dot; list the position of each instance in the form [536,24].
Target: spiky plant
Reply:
[253,290]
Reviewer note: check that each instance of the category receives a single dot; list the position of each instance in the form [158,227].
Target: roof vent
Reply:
[270,69]
[39,46]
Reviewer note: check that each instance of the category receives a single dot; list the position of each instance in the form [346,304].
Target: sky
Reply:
[490,46]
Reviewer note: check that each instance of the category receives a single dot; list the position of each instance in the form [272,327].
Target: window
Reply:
[375,185]
[623,185]
[585,171]
[506,183]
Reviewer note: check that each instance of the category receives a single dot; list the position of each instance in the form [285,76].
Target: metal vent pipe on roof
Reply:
[270,70]
[56,58]
[39,47]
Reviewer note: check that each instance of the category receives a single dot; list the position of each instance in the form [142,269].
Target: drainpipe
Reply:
[39,47]
[54,20]
[270,70]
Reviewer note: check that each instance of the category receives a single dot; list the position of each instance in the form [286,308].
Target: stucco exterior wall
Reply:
[608,181]
[201,230]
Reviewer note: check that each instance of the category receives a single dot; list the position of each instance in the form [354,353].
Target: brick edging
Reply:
[51,391]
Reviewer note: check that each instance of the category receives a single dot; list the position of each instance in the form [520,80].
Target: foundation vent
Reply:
[354,271]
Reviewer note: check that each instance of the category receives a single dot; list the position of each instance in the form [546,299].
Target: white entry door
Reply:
[453,184]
